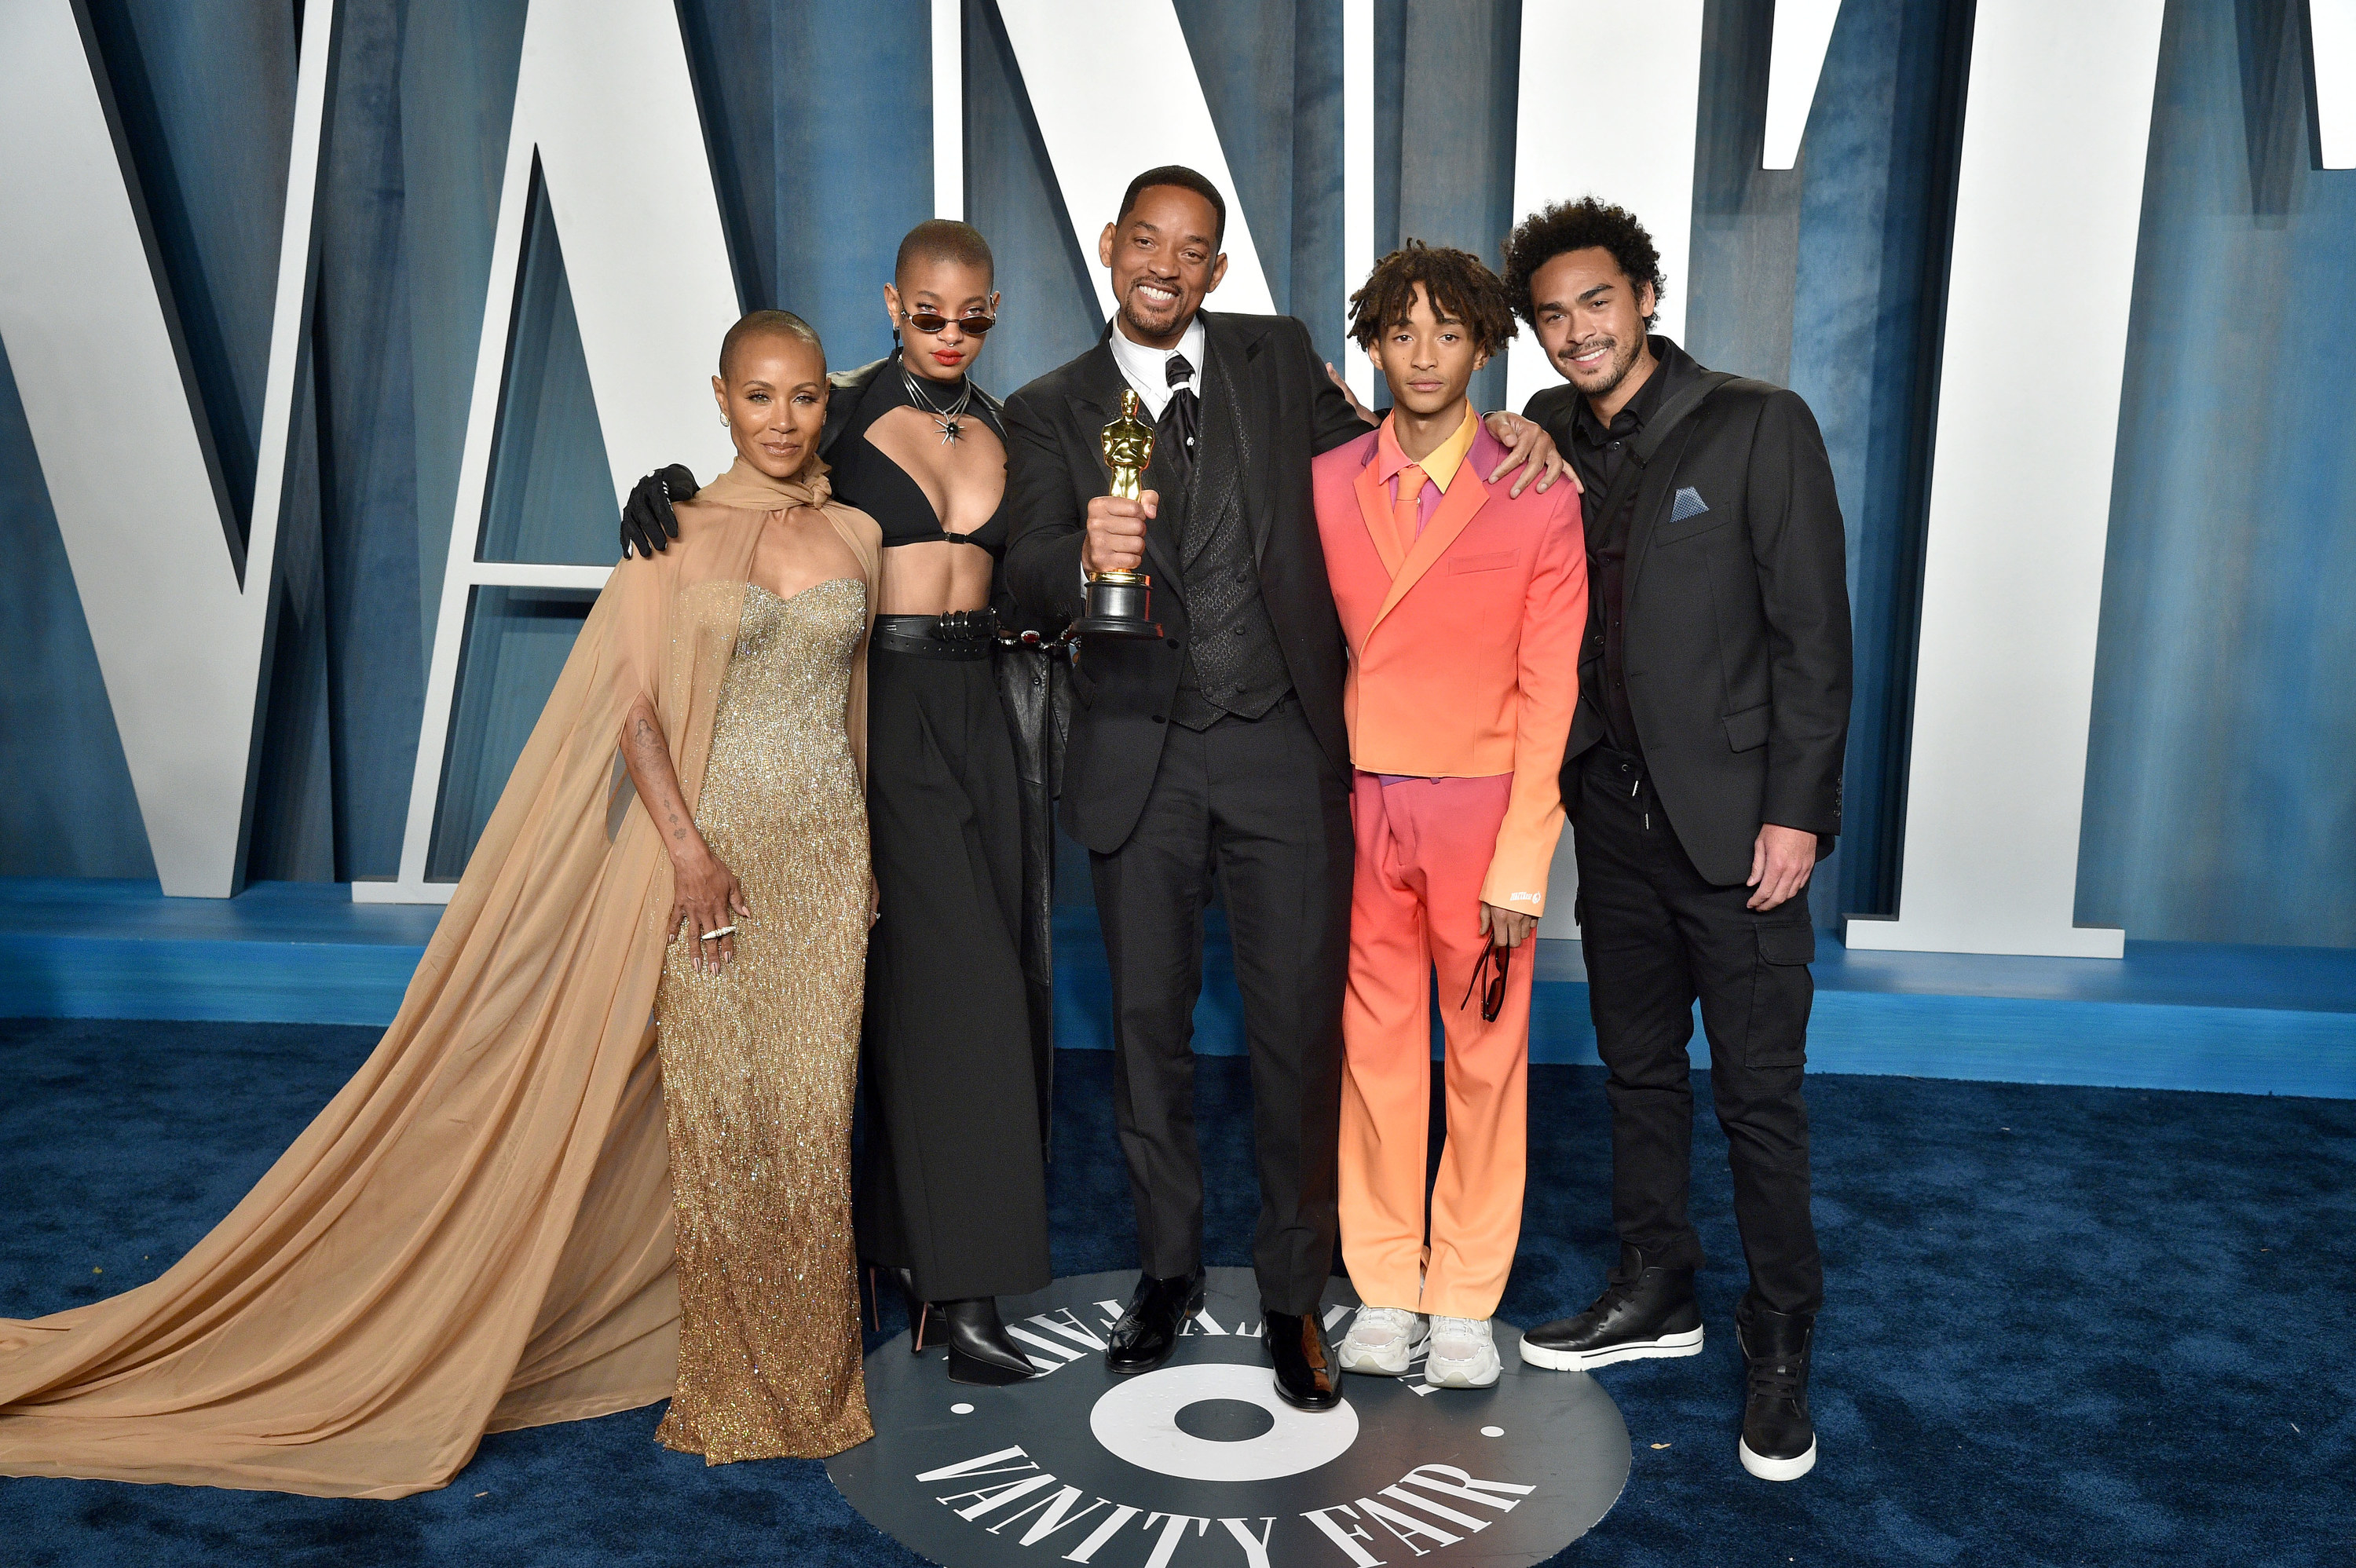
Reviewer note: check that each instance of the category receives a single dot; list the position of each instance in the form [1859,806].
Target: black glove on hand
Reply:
[648,525]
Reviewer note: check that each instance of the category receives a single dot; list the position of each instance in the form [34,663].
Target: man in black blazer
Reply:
[1703,778]
[1216,748]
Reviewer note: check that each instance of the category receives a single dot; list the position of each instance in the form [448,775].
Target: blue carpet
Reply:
[2066,1324]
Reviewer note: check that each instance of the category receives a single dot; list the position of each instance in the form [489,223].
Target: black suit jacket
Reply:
[1736,623]
[1054,428]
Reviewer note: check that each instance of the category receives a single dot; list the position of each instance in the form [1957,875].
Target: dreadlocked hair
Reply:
[1457,283]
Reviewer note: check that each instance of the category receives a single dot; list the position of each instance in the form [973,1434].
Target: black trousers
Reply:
[1257,803]
[1658,936]
[952,1180]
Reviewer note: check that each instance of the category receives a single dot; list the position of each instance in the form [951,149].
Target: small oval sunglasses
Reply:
[931,321]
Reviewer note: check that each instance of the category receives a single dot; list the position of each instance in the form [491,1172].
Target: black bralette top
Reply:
[864,477]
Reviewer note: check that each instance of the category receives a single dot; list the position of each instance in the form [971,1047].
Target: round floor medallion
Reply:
[1199,1465]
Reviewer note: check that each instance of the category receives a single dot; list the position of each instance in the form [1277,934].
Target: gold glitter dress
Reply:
[761,1059]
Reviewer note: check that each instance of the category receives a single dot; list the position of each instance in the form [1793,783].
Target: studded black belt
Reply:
[962,634]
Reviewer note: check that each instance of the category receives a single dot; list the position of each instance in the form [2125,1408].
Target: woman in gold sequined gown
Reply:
[759,1011]
[527,1205]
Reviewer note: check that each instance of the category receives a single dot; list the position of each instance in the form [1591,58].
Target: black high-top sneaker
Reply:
[1779,1441]
[1645,1311]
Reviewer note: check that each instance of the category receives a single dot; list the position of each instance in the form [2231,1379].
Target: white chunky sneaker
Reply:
[1382,1340]
[1463,1354]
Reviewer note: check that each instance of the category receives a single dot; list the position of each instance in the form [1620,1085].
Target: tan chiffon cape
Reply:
[475,1234]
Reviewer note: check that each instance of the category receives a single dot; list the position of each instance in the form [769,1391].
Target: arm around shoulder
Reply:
[1334,419]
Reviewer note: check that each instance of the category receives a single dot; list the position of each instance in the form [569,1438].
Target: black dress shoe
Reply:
[979,1350]
[1779,1441]
[927,1326]
[1149,1330]
[1307,1375]
[1644,1311]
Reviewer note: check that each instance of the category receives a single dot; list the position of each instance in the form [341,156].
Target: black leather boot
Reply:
[1645,1311]
[1149,1330]
[1779,1441]
[979,1350]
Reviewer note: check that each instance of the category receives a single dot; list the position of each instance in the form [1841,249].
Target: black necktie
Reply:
[1174,432]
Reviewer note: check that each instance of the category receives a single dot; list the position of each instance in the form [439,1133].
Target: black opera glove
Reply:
[648,525]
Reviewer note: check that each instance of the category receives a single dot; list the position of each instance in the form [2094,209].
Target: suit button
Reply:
[1174,641]
[1158,718]
[1241,577]
[1240,631]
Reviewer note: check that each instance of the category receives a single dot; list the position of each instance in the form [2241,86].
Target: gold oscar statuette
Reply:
[1119,603]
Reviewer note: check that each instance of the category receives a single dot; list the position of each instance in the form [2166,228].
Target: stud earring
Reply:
[724,418]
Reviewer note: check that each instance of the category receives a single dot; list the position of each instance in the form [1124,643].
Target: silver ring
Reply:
[716,935]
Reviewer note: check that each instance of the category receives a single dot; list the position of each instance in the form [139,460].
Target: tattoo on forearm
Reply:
[652,770]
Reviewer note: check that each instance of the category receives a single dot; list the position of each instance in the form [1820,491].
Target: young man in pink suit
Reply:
[1463,605]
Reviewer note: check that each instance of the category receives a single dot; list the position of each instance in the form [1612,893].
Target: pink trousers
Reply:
[1424,846]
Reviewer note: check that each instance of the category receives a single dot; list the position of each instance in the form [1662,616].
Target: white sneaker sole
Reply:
[1466,1374]
[1775,1469]
[1667,1346]
[1391,1363]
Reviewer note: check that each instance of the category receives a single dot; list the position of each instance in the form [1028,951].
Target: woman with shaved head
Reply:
[529,1206]
[952,1188]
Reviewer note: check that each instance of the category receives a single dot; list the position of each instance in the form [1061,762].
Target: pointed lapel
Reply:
[1658,479]
[1374,506]
[1096,404]
[1464,496]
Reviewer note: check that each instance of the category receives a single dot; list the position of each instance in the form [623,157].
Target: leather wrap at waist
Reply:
[965,635]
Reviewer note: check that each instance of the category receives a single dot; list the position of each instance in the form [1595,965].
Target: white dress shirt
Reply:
[1147,369]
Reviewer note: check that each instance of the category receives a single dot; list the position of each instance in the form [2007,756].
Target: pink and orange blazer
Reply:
[1464,641]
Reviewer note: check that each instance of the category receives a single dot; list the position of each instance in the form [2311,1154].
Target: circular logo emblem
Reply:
[1200,1464]
[1144,1421]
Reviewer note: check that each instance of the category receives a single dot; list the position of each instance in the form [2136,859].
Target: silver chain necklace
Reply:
[946,418]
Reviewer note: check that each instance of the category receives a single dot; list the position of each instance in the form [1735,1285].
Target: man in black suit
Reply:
[1703,778]
[1216,747]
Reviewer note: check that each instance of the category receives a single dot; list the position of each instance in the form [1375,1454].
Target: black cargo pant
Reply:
[1657,937]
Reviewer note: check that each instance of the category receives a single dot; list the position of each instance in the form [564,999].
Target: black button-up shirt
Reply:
[1599,454]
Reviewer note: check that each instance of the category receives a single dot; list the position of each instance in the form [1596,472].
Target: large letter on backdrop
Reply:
[2332,65]
[604,105]
[179,607]
[2052,166]
[1582,129]
[1100,134]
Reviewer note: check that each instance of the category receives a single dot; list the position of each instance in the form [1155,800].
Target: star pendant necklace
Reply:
[946,418]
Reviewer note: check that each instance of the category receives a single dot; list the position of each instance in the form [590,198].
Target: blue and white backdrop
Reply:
[333,332]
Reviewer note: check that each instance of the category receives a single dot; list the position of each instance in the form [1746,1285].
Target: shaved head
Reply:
[942,239]
[762,324]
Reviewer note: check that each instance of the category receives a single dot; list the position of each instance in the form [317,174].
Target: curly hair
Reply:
[1565,225]
[1456,281]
